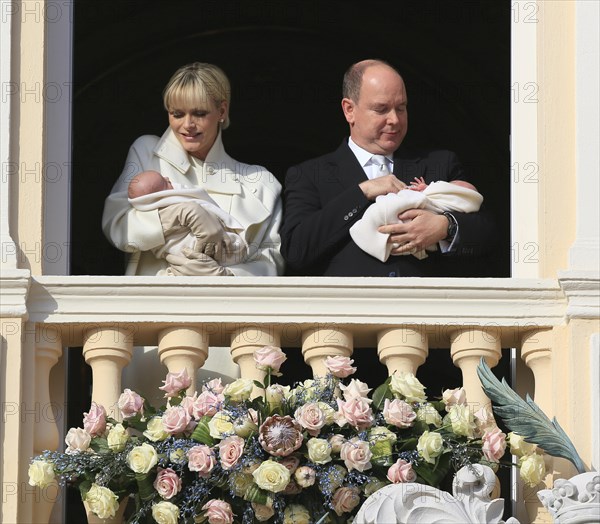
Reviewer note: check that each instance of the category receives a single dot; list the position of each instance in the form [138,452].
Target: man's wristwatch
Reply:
[452,226]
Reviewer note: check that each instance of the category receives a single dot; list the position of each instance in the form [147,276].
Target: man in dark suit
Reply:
[325,196]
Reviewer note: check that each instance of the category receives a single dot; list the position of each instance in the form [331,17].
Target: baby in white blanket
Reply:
[438,197]
[149,190]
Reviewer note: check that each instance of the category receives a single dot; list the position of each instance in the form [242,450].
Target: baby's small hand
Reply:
[418,184]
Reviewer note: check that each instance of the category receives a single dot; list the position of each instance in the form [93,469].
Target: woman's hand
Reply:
[195,264]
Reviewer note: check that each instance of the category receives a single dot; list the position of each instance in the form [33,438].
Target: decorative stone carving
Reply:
[576,500]
[412,503]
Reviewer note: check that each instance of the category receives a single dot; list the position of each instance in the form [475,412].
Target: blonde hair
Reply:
[193,84]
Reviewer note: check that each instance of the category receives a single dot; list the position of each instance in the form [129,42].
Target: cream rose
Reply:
[246,424]
[428,414]
[102,501]
[41,473]
[407,385]
[460,417]
[296,514]
[142,459]
[155,430]
[272,476]
[165,512]
[430,445]
[117,438]
[532,469]
[336,441]
[345,500]
[275,395]
[239,390]
[519,447]
[319,450]
[77,440]
[220,425]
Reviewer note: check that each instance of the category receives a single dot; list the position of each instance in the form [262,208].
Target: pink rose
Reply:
[269,357]
[494,444]
[214,385]
[94,422]
[218,512]
[207,403]
[188,403]
[311,417]
[356,454]
[356,412]
[201,459]
[398,413]
[77,440]
[345,500]
[401,471]
[356,389]
[455,396]
[484,419]
[175,382]
[130,403]
[176,419]
[339,366]
[167,483]
[230,451]
[291,462]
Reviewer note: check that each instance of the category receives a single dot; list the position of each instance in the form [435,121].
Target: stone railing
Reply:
[184,316]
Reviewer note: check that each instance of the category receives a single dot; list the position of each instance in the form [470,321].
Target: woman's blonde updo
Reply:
[193,84]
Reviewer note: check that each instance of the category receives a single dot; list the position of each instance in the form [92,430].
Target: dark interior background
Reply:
[285,60]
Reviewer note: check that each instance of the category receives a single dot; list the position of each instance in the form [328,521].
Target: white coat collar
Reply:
[218,170]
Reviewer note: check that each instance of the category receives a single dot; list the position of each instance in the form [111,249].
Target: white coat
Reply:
[250,194]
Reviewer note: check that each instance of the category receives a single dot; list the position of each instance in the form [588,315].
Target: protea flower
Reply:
[280,436]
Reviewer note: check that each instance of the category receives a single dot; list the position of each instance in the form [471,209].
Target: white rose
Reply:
[428,414]
[117,438]
[430,446]
[532,469]
[451,397]
[460,418]
[102,501]
[41,473]
[155,430]
[77,440]
[407,385]
[239,390]
[221,425]
[275,395]
[165,512]
[142,459]
[272,476]
[518,446]
[319,450]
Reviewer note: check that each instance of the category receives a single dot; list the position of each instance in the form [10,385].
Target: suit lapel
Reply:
[406,165]
[345,166]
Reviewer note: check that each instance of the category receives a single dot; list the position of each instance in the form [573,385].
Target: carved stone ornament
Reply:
[576,500]
[413,503]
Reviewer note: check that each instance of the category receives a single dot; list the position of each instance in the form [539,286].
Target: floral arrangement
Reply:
[308,454]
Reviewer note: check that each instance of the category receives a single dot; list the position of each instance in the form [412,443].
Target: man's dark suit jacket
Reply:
[322,201]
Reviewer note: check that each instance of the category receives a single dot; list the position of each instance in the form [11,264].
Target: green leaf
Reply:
[434,474]
[84,487]
[525,418]
[258,384]
[100,445]
[202,432]
[381,393]
[146,490]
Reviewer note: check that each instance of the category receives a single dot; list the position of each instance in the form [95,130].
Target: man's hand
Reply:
[195,264]
[419,229]
[381,186]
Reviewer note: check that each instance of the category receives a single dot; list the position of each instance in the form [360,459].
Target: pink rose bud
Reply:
[269,357]
[231,450]
[176,382]
[94,422]
[401,471]
[167,483]
[214,385]
[201,459]
[176,419]
[339,366]
[494,444]
[218,512]
[130,403]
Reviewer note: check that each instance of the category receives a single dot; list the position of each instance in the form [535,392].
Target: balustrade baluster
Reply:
[402,349]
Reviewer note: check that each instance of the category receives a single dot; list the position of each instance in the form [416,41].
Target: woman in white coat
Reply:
[191,153]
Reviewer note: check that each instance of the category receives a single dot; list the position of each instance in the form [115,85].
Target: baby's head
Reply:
[147,182]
